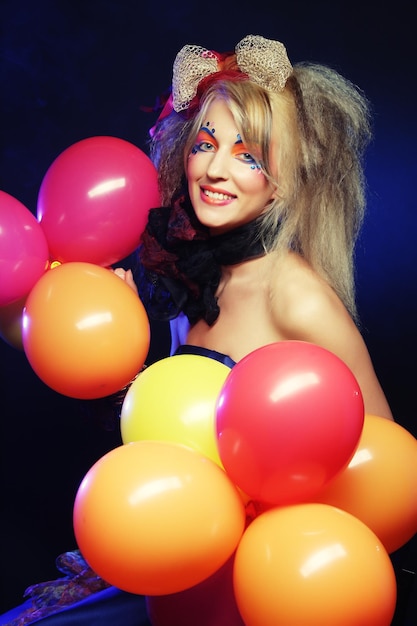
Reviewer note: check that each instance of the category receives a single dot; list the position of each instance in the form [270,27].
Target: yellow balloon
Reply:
[174,400]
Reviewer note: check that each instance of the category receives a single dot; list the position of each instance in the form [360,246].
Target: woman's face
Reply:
[226,186]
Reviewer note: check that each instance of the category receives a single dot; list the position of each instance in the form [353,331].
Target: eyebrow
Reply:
[206,129]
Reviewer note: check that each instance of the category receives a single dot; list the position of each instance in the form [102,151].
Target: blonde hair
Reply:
[309,140]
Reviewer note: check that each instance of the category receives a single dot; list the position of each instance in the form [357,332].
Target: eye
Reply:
[246,157]
[203,146]
[240,152]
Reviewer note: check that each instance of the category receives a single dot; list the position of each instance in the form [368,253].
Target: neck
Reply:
[250,275]
[238,245]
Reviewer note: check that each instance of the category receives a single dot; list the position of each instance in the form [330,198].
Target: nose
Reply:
[218,168]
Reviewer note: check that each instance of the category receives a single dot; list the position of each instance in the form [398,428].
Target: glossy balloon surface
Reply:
[85,332]
[379,486]
[154,517]
[288,418]
[94,200]
[174,400]
[313,565]
[24,251]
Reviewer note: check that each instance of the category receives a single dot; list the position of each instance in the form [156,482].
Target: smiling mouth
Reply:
[215,195]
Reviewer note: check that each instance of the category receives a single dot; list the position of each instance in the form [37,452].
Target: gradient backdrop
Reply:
[72,69]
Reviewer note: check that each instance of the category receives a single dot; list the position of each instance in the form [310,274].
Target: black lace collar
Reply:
[180,263]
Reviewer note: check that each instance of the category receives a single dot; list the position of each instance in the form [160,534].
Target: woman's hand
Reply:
[127,276]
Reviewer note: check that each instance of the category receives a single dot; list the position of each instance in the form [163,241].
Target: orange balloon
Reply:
[174,400]
[155,517]
[85,332]
[313,565]
[379,486]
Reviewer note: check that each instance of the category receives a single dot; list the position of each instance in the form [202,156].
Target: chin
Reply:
[215,226]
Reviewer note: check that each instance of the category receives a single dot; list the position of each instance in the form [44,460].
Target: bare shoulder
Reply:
[305,308]
[304,304]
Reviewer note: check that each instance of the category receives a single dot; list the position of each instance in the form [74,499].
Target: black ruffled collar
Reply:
[180,263]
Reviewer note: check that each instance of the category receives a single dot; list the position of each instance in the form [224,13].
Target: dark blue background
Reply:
[71,69]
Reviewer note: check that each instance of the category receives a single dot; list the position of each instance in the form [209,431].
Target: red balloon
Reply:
[94,200]
[23,250]
[288,418]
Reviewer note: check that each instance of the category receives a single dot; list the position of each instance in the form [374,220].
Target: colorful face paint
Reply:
[225,181]
[206,142]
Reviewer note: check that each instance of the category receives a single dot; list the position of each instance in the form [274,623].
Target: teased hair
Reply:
[310,139]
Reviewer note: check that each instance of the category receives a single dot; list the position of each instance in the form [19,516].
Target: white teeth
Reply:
[216,196]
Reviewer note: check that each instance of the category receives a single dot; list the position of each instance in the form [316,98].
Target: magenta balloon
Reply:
[94,200]
[288,418]
[23,250]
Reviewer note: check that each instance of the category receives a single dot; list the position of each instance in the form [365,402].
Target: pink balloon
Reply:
[288,418]
[23,250]
[94,200]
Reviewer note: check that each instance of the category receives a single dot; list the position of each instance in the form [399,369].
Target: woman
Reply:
[260,171]
[261,177]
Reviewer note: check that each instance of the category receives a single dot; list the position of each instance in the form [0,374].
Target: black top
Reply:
[212,354]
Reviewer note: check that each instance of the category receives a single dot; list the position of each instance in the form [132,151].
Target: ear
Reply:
[274,193]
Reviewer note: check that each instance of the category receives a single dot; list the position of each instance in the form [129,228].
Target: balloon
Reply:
[316,565]
[94,200]
[23,250]
[11,323]
[85,332]
[288,418]
[379,486]
[154,517]
[210,603]
[174,400]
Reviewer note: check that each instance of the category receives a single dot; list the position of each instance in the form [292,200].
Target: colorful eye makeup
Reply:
[239,150]
[206,142]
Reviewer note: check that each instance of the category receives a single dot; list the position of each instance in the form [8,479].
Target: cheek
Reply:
[194,167]
[194,174]
[253,181]
[258,187]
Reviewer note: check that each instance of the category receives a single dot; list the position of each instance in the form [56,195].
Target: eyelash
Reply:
[198,147]
[248,158]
